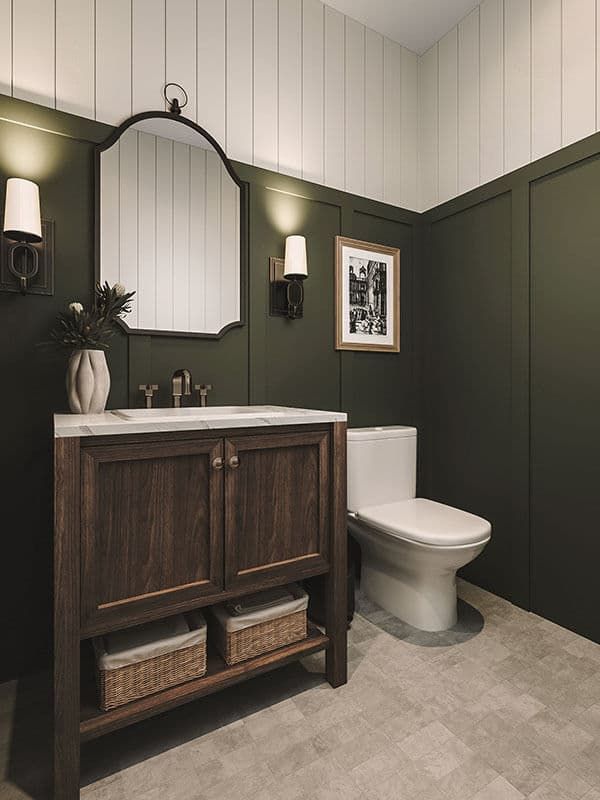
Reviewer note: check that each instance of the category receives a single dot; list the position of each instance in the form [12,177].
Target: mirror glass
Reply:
[169,228]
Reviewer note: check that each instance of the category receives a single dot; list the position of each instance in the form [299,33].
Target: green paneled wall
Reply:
[270,360]
[467,338]
[565,396]
[498,362]
[511,386]
[33,379]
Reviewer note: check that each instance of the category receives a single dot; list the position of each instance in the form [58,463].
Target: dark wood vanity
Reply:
[152,524]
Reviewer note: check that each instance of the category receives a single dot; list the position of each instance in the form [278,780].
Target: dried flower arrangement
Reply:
[81,329]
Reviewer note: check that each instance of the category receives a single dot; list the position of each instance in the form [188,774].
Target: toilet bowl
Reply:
[411,547]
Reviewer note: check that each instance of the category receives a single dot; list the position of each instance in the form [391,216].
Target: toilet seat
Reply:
[427,522]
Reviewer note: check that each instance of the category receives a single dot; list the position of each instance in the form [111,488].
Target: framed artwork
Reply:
[367,290]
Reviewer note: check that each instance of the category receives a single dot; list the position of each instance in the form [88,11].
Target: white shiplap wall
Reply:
[184,263]
[290,85]
[514,81]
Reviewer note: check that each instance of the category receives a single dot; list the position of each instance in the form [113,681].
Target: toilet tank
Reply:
[382,465]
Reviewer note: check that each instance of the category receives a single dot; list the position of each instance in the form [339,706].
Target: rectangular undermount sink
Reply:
[171,414]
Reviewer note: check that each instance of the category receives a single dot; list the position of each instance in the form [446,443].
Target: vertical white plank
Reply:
[334,99]
[392,94]
[180,40]
[290,87]
[146,298]
[355,107]
[198,239]
[213,242]
[579,69]
[164,234]
[109,215]
[428,128]
[181,236]
[468,102]
[491,97]
[75,43]
[34,51]
[148,68]
[212,68]
[128,216]
[113,60]
[517,84]
[237,299]
[312,90]
[239,80]
[230,248]
[374,115]
[409,130]
[597,64]
[546,125]
[6,47]
[265,84]
[448,115]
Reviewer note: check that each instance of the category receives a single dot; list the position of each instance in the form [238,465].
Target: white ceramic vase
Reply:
[88,381]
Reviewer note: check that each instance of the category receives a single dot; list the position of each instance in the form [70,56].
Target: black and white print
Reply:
[367,290]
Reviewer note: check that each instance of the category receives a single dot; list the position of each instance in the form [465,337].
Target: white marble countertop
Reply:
[162,420]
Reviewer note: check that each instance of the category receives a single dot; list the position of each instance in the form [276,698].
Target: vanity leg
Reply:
[337,590]
[336,657]
[66,620]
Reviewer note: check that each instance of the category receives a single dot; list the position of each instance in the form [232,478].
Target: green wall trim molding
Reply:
[47,120]
[554,162]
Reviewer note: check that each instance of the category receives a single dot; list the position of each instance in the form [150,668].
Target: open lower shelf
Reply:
[94,723]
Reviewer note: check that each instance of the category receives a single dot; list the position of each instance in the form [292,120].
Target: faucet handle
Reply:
[148,389]
[203,389]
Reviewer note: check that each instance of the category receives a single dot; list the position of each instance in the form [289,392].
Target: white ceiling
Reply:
[416,24]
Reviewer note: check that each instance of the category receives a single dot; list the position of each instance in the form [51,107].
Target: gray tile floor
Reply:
[496,710]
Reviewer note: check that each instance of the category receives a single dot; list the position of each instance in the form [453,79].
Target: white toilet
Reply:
[411,547]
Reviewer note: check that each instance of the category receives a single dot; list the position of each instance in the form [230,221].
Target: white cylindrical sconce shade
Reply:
[295,257]
[22,221]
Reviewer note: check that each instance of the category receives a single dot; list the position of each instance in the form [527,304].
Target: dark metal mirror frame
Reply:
[243,186]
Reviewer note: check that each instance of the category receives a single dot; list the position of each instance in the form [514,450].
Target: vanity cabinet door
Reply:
[152,529]
[276,507]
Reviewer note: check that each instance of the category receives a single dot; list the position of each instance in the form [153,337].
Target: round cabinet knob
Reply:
[234,462]
[218,463]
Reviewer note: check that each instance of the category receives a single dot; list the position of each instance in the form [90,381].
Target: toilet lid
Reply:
[427,522]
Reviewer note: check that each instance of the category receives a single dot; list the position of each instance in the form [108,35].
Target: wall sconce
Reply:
[22,261]
[287,276]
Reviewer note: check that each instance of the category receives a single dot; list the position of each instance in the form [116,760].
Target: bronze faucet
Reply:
[181,385]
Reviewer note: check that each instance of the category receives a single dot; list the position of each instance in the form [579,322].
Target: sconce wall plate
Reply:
[279,305]
[43,282]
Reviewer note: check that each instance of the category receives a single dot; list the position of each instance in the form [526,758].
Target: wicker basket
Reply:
[282,629]
[150,675]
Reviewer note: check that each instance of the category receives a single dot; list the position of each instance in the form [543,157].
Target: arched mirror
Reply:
[171,226]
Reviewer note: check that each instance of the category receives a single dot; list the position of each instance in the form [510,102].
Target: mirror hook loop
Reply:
[174,105]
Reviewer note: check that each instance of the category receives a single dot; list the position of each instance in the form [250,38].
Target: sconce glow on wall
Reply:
[287,276]
[25,266]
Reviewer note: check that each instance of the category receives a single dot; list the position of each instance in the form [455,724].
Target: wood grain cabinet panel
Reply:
[152,527]
[276,507]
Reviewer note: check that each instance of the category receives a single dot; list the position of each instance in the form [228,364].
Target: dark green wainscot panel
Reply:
[565,397]
[467,335]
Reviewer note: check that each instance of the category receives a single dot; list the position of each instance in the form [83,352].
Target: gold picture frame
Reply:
[367,303]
